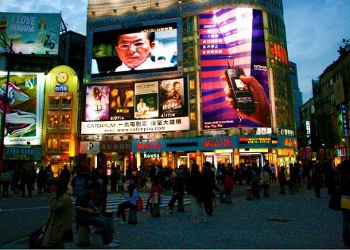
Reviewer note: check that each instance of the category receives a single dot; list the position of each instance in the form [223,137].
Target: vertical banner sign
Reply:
[344,114]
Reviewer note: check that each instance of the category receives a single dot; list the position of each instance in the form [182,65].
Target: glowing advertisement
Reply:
[136,107]
[233,69]
[151,49]
[24,109]
[36,33]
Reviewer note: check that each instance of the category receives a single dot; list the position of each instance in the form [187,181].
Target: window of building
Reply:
[64,145]
[65,120]
[54,102]
[52,144]
[53,120]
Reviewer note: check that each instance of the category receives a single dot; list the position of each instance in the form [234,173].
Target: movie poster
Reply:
[171,98]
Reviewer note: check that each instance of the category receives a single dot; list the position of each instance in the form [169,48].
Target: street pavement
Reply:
[281,221]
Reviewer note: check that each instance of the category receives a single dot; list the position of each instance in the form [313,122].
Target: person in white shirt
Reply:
[134,50]
[142,107]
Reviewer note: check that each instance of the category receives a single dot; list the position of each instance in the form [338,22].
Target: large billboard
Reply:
[31,33]
[152,106]
[234,72]
[151,50]
[24,109]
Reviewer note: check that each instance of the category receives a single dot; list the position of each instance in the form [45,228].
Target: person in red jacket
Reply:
[227,186]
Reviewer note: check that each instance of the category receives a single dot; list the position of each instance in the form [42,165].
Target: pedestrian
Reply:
[329,176]
[57,227]
[209,187]
[317,179]
[41,180]
[65,174]
[113,178]
[227,185]
[79,182]
[23,181]
[255,181]
[195,188]
[32,177]
[178,191]
[131,200]
[86,212]
[50,177]
[5,181]
[344,182]
[155,195]
[265,178]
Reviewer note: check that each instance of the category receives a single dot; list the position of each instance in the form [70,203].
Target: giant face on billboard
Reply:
[233,69]
[150,49]
[136,107]
[23,109]
[31,33]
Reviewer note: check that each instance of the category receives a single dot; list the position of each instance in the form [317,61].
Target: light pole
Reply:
[9,51]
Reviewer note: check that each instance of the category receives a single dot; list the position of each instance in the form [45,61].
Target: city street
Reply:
[290,221]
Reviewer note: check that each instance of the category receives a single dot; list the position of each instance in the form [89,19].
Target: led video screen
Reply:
[135,50]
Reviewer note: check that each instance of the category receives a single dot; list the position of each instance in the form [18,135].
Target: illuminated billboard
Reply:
[24,109]
[232,45]
[138,107]
[31,33]
[129,52]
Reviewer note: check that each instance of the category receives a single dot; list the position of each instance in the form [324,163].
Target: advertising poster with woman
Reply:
[234,73]
[97,103]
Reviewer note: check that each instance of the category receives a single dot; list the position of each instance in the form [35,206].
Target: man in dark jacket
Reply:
[195,187]
[209,186]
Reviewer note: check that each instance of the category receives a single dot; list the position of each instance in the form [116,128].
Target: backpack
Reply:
[5,177]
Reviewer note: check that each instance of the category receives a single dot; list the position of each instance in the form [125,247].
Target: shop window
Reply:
[65,121]
[52,121]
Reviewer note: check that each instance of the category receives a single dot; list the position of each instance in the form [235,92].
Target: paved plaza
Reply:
[281,221]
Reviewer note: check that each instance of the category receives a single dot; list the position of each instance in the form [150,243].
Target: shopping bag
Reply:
[139,204]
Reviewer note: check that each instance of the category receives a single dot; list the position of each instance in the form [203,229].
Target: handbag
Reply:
[139,204]
[334,201]
[35,239]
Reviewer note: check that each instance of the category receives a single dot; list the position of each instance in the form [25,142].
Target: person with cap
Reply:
[131,200]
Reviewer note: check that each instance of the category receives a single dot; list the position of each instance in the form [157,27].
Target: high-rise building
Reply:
[174,83]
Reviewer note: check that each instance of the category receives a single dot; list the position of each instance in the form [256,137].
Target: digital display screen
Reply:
[135,50]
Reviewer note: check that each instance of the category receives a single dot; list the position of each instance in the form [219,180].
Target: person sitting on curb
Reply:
[86,212]
[131,200]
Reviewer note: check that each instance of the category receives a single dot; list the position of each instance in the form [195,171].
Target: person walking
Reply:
[5,181]
[195,189]
[178,191]
[255,182]
[209,186]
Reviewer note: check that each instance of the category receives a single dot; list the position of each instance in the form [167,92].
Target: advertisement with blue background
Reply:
[36,33]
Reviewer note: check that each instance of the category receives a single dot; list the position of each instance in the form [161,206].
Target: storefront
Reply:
[279,150]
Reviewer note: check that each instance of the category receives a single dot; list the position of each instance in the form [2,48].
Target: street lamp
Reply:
[8,49]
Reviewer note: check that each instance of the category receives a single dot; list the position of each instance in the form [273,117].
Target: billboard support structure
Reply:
[9,55]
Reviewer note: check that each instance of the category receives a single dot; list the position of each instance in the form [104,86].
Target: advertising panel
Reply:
[136,107]
[133,51]
[24,109]
[232,45]
[36,33]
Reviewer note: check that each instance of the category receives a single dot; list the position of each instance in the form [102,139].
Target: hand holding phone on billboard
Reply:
[259,110]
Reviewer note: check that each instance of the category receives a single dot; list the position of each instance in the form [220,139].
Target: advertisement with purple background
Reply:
[232,37]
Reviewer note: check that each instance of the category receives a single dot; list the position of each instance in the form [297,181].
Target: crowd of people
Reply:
[202,184]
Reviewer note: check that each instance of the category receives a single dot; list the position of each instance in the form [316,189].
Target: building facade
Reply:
[216,87]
